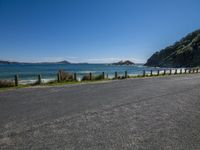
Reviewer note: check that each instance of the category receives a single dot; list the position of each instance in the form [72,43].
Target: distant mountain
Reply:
[184,53]
[10,62]
[63,62]
[60,62]
[127,62]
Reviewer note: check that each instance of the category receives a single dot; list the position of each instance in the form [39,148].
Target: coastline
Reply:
[53,82]
[79,76]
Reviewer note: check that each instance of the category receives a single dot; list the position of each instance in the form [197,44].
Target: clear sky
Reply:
[94,31]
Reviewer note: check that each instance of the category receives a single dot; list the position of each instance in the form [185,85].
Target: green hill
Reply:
[184,53]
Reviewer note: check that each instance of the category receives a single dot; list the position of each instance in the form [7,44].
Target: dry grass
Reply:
[86,77]
[64,76]
[99,77]
[6,83]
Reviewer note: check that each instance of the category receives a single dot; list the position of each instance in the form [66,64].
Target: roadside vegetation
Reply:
[64,78]
[6,84]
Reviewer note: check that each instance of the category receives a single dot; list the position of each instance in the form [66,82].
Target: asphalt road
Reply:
[138,114]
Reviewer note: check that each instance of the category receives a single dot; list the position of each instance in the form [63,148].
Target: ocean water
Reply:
[28,72]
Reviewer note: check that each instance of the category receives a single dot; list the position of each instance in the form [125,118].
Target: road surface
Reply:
[160,113]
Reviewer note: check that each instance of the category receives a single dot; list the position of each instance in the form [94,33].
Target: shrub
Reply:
[123,77]
[99,77]
[6,83]
[64,76]
[86,77]
[120,77]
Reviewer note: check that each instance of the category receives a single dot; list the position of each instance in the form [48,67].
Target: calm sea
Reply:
[28,72]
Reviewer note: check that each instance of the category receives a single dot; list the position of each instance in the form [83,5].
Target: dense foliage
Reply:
[184,53]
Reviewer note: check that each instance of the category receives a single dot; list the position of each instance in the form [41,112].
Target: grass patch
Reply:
[6,84]
[93,78]
[52,83]
[99,77]
[14,87]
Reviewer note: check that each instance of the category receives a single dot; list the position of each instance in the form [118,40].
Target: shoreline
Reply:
[27,81]
[65,83]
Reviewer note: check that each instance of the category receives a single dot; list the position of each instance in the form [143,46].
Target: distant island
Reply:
[184,53]
[8,62]
[12,62]
[127,62]
[60,62]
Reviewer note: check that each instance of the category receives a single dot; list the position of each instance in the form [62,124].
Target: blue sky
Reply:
[95,31]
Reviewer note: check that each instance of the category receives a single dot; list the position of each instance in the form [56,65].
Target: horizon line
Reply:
[70,62]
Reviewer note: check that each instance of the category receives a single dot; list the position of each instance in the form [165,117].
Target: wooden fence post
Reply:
[144,73]
[103,75]
[39,79]
[151,73]
[115,75]
[164,71]
[16,80]
[90,76]
[126,74]
[158,72]
[175,71]
[75,78]
[170,71]
[58,77]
